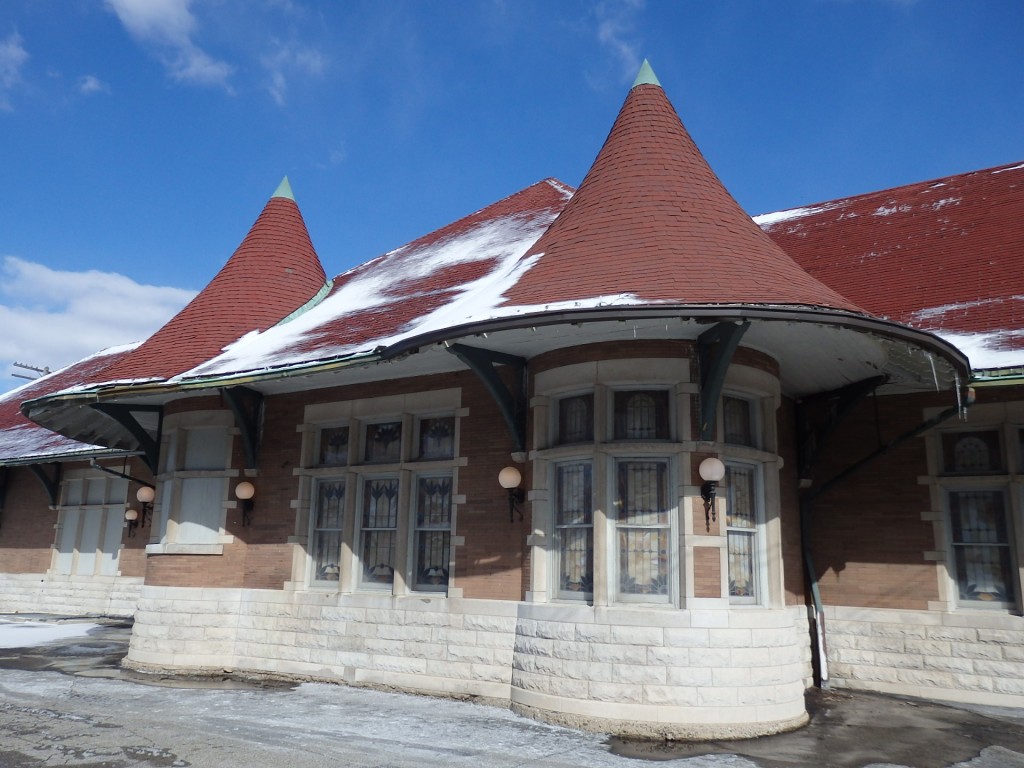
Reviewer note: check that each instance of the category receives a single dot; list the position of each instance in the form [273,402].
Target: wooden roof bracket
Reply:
[125,416]
[715,348]
[247,405]
[50,484]
[511,400]
[816,425]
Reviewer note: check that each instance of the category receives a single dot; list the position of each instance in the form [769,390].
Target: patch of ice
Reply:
[778,217]
[982,349]
[939,204]
[25,634]
[883,210]
[1013,168]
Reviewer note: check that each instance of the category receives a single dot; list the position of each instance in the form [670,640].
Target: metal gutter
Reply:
[807,500]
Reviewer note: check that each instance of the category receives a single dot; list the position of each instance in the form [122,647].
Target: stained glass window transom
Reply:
[384,442]
[437,437]
[334,446]
[972,453]
[576,419]
[641,415]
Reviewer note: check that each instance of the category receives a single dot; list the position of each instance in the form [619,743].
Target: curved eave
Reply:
[69,413]
[66,456]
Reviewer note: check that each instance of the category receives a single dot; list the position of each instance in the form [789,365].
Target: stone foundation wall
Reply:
[697,673]
[625,670]
[971,657]
[69,595]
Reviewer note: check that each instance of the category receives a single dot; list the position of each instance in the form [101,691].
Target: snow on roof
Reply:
[453,276]
[21,439]
[942,255]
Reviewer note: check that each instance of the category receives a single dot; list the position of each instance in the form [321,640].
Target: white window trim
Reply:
[410,409]
[166,509]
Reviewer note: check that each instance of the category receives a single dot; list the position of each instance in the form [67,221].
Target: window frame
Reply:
[757,534]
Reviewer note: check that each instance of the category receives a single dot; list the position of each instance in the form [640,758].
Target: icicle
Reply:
[959,400]
[634,331]
[935,376]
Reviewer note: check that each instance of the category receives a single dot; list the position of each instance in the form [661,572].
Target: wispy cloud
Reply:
[12,58]
[55,317]
[616,31]
[169,26]
[288,62]
[90,84]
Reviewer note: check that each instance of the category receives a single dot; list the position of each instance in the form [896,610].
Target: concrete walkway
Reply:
[64,701]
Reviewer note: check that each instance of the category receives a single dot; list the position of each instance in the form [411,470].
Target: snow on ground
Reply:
[23,634]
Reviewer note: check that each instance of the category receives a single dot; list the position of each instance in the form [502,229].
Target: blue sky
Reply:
[140,139]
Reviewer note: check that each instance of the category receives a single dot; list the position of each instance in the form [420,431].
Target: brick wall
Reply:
[27,524]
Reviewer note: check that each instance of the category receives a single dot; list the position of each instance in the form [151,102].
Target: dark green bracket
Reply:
[715,348]
[3,492]
[125,416]
[819,416]
[50,484]
[247,405]
[511,402]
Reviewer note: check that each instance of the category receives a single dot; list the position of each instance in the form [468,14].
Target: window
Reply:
[329,516]
[574,529]
[383,443]
[437,437]
[194,493]
[641,415]
[972,453]
[91,524]
[333,447]
[739,426]
[576,419]
[977,482]
[377,531]
[981,549]
[201,498]
[642,527]
[433,513]
[742,516]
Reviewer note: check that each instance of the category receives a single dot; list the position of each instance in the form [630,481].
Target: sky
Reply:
[140,139]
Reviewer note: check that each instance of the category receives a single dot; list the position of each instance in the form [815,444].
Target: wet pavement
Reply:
[65,701]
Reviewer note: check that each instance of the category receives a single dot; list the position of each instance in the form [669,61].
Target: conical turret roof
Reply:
[274,272]
[652,220]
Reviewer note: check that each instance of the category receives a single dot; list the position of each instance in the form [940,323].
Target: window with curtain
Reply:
[981,546]
[576,419]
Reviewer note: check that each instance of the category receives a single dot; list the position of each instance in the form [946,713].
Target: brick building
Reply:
[617,456]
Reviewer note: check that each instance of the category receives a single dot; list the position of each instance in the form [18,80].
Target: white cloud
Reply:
[89,84]
[288,62]
[170,27]
[12,58]
[616,32]
[52,317]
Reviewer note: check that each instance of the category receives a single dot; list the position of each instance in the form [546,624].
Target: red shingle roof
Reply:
[653,220]
[272,273]
[945,255]
[21,438]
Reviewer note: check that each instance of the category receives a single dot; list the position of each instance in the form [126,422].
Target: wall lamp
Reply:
[509,478]
[711,471]
[135,518]
[244,492]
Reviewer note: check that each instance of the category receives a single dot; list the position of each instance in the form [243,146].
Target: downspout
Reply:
[806,512]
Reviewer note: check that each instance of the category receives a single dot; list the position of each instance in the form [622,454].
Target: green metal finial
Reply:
[646,76]
[284,189]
